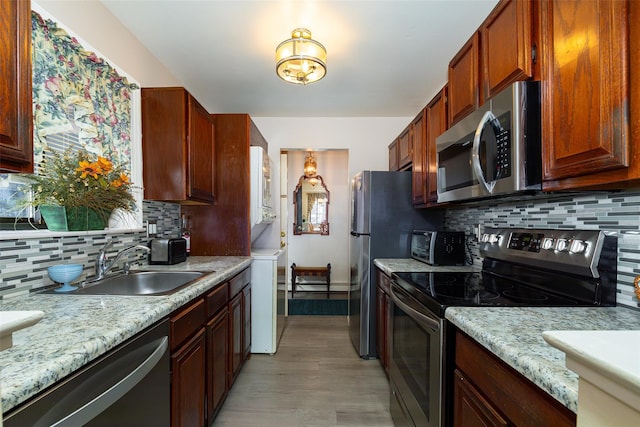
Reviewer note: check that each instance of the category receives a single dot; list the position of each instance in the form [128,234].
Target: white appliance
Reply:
[262,212]
[268,299]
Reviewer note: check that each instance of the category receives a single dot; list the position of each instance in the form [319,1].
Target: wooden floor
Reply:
[314,379]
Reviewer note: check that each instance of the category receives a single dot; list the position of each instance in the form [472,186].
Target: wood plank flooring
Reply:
[315,379]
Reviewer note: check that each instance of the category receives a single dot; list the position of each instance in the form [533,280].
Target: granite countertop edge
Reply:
[77,329]
[514,334]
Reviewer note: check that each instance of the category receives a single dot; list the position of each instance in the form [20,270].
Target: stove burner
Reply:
[466,293]
[524,295]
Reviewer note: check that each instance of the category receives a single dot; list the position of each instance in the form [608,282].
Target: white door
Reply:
[284,220]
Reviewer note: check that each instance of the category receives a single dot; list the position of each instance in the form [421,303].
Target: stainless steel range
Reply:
[521,267]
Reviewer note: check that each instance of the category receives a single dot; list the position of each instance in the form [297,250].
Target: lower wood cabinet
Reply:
[383,316]
[488,392]
[188,382]
[209,345]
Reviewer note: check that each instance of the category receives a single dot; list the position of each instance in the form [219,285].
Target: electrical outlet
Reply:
[477,231]
[152,229]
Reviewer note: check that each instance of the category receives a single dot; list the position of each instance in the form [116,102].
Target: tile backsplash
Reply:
[24,262]
[617,213]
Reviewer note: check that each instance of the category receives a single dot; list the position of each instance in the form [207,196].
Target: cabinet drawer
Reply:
[186,323]
[217,299]
[239,281]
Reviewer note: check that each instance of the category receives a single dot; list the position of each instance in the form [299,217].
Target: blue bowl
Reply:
[65,273]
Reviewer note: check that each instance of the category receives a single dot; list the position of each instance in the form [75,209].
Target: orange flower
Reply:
[105,165]
[87,168]
[122,180]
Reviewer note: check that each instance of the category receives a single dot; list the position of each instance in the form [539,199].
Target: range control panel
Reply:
[574,251]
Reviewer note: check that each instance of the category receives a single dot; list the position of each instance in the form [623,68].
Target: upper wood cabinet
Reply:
[436,112]
[405,149]
[418,136]
[16,124]
[507,46]
[498,54]
[178,147]
[393,155]
[464,93]
[587,86]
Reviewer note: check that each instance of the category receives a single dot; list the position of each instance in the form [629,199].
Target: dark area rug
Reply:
[318,307]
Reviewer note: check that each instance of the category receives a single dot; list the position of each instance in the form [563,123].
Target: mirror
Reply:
[311,206]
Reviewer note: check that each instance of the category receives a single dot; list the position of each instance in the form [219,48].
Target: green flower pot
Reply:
[54,216]
[83,218]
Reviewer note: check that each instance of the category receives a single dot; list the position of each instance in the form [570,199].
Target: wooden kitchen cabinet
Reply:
[418,135]
[188,382]
[589,47]
[464,74]
[223,228]
[239,315]
[217,361]
[507,46]
[501,52]
[489,392]
[405,149]
[383,317]
[178,147]
[436,113]
[201,341]
[16,124]
[393,156]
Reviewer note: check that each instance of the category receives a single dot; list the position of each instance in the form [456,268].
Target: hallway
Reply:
[315,379]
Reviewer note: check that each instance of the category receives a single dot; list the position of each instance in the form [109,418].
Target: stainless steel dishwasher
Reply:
[129,386]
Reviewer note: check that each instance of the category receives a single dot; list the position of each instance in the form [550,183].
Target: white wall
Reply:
[366,141]
[92,21]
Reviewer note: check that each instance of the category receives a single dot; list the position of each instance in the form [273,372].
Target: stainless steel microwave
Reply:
[496,150]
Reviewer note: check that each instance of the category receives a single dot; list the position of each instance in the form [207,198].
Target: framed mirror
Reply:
[311,206]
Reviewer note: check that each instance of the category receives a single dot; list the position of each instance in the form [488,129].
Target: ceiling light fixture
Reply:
[301,60]
[310,166]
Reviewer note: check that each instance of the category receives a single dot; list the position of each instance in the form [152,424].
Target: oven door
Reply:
[416,363]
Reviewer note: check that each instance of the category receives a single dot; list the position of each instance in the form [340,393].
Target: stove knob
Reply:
[577,247]
[561,245]
[494,239]
[547,243]
[485,237]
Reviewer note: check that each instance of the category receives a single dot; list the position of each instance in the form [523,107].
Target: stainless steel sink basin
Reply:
[141,283]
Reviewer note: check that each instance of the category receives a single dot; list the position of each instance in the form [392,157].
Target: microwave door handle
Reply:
[475,156]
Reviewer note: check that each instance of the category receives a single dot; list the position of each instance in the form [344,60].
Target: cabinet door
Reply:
[463,80]
[188,383]
[585,116]
[16,142]
[404,149]
[436,125]
[418,169]
[246,321]
[470,408]
[217,361]
[380,330]
[235,335]
[393,156]
[201,153]
[506,45]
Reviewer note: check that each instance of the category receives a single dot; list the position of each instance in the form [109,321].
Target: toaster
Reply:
[168,251]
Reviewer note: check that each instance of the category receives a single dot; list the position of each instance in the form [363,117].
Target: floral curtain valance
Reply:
[77,93]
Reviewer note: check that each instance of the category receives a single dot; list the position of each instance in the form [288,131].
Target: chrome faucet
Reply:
[102,264]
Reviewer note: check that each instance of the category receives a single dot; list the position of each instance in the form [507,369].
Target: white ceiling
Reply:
[385,57]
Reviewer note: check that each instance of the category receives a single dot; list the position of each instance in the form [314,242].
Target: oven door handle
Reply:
[422,318]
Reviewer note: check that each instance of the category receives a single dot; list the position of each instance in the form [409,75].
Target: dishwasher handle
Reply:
[424,319]
[96,406]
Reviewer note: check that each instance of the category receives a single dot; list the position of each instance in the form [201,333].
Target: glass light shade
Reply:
[310,166]
[301,60]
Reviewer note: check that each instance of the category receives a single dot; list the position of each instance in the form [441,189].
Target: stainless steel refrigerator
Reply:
[382,219]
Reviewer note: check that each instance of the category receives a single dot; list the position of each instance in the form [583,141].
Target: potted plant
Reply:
[81,189]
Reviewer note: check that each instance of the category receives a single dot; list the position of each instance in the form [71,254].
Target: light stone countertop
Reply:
[514,334]
[76,329]
[397,265]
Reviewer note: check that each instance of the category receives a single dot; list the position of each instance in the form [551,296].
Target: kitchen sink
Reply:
[141,283]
